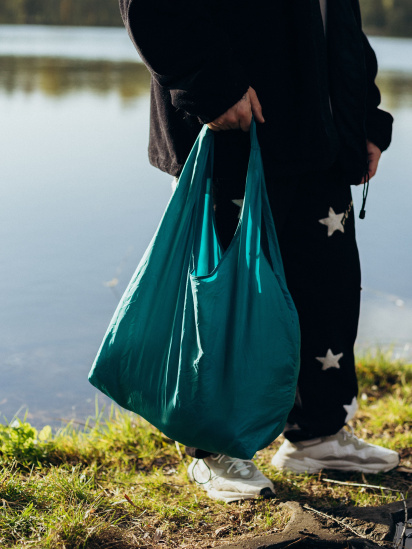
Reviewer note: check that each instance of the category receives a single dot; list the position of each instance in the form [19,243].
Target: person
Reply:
[306,72]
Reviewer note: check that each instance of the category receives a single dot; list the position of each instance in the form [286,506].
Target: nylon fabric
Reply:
[205,343]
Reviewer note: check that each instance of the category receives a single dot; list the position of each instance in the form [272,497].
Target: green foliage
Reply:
[374,13]
[121,438]
[391,17]
[379,372]
[118,482]
[23,442]
[61,12]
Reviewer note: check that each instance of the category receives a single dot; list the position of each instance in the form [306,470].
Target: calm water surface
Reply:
[79,204]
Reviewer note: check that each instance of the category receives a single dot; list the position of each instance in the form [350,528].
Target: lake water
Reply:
[79,203]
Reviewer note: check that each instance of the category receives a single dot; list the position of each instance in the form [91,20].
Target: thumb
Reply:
[256,106]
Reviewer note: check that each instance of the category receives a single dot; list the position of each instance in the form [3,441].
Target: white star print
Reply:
[351,409]
[333,222]
[238,202]
[330,360]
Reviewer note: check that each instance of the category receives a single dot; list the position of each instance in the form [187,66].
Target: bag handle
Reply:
[256,207]
[206,251]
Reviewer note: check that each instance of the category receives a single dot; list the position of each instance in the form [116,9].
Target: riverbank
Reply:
[118,482]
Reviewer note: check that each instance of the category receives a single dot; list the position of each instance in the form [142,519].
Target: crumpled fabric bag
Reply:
[204,343]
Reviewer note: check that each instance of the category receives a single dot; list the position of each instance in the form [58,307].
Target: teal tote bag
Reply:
[204,343]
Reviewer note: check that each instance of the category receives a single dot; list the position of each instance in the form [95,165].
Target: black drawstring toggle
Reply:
[365,196]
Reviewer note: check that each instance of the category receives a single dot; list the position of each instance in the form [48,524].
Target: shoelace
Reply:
[359,442]
[239,464]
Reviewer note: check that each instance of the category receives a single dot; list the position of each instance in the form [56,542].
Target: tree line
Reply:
[386,17]
[104,13]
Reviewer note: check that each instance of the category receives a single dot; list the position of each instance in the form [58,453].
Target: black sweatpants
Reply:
[315,224]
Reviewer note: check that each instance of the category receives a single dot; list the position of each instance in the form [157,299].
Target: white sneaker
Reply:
[230,479]
[343,451]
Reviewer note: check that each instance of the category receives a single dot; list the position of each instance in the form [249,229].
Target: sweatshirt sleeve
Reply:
[187,53]
[378,122]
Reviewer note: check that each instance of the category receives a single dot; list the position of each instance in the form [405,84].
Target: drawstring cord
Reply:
[364,196]
[193,473]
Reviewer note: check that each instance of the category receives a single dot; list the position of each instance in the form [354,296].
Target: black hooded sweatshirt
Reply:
[204,54]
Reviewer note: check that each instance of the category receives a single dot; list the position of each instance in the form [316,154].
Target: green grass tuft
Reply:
[120,483]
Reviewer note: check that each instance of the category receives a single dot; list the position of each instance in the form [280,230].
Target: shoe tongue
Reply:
[237,467]
[244,473]
[241,469]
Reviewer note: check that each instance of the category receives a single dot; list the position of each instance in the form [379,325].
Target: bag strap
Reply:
[256,208]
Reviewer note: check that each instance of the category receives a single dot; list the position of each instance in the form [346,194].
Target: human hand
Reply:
[239,117]
[374,155]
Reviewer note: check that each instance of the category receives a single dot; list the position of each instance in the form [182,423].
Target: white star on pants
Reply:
[330,360]
[333,222]
[351,409]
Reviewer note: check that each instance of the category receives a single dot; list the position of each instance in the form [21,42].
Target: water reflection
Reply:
[60,77]
[396,89]
[90,196]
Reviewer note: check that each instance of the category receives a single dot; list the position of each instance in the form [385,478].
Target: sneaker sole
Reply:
[312,466]
[230,497]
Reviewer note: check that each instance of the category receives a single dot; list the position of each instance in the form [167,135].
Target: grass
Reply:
[119,483]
